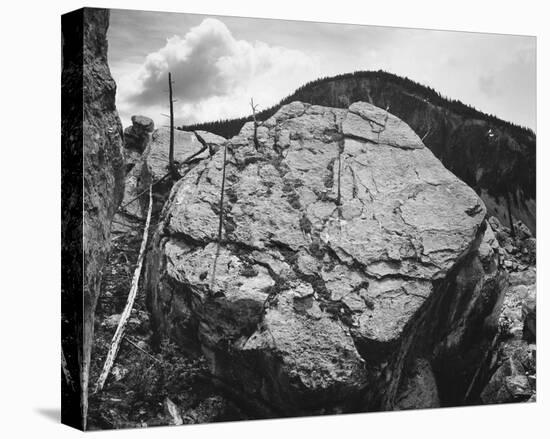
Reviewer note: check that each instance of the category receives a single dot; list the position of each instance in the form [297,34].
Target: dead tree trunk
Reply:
[256,143]
[509,207]
[119,334]
[339,198]
[171,165]
[220,227]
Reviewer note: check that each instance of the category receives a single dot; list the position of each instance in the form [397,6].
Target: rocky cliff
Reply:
[495,158]
[90,117]
[352,269]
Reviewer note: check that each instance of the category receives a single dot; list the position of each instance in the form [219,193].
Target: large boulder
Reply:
[344,244]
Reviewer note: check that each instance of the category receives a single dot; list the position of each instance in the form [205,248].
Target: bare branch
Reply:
[204,144]
[142,350]
[426,135]
[256,143]
[339,198]
[221,195]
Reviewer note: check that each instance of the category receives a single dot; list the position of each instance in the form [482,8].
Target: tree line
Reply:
[309,92]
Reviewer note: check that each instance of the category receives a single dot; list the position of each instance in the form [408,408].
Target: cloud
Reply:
[214,75]
[218,65]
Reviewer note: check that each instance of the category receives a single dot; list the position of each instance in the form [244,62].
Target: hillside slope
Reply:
[494,157]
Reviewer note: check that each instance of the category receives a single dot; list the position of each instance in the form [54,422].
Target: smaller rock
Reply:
[510,248]
[495,223]
[522,231]
[143,124]
[508,384]
[136,137]
[518,386]
[143,316]
[142,345]
[119,372]
[529,249]
[503,238]
[111,321]
[526,277]
[529,314]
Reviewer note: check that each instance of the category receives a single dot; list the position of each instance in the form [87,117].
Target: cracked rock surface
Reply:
[337,231]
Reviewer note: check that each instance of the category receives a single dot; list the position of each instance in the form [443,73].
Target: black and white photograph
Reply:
[274,220]
[288,218]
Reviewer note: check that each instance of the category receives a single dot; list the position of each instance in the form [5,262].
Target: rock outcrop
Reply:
[136,140]
[348,253]
[89,113]
[146,158]
[512,363]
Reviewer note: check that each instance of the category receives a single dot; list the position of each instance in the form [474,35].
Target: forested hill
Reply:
[312,92]
[495,157]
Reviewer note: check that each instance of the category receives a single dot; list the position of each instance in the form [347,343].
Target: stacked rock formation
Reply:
[136,136]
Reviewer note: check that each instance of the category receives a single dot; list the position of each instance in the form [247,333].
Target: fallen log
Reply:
[119,334]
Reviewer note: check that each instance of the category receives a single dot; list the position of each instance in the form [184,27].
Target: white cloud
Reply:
[215,75]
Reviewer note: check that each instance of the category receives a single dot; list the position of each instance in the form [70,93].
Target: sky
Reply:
[219,63]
